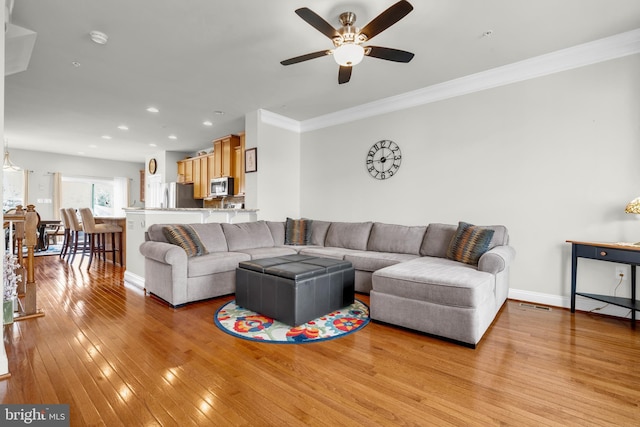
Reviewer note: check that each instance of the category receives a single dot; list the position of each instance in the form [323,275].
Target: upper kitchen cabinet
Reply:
[224,151]
[185,171]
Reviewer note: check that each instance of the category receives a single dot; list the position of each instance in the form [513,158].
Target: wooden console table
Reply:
[613,252]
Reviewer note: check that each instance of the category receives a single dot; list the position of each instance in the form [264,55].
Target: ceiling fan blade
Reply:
[386,19]
[306,57]
[388,53]
[317,22]
[344,74]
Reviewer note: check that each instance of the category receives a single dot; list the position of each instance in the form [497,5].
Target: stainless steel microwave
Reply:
[221,186]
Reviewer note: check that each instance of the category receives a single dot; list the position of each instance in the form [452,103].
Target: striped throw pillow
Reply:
[297,231]
[469,243]
[185,237]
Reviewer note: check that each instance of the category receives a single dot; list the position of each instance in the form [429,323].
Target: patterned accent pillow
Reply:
[297,231]
[185,237]
[469,243]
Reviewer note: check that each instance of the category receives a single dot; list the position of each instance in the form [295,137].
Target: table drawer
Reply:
[616,255]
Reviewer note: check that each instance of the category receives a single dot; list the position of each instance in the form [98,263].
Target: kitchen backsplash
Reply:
[217,203]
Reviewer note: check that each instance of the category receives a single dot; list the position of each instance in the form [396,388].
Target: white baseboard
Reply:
[582,304]
[134,279]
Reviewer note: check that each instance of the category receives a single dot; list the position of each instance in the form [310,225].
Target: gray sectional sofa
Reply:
[412,280]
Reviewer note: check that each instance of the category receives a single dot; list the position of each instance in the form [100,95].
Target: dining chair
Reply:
[95,237]
[66,239]
[75,228]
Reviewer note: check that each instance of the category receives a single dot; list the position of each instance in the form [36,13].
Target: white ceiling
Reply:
[191,58]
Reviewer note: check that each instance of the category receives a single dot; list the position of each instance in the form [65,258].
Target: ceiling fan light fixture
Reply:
[348,54]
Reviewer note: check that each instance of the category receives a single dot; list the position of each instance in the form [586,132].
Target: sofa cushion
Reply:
[398,239]
[247,235]
[436,280]
[372,261]
[212,236]
[273,251]
[319,232]
[327,252]
[155,233]
[297,231]
[217,262]
[186,237]
[469,243]
[436,239]
[277,231]
[349,235]
[438,236]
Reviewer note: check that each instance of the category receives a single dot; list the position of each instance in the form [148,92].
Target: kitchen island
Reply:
[138,221]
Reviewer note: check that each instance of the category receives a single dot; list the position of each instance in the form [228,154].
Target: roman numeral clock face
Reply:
[383,159]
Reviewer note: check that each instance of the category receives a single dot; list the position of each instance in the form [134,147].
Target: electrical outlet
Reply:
[621,273]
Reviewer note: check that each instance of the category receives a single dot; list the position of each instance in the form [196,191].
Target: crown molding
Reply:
[278,120]
[617,46]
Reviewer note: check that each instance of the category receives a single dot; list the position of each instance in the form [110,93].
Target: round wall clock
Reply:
[153,166]
[383,159]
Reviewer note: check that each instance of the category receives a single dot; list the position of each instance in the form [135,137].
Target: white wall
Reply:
[4,363]
[275,187]
[552,158]
[43,165]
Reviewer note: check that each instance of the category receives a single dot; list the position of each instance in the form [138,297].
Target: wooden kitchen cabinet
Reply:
[181,171]
[142,178]
[203,190]
[197,170]
[224,151]
[187,166]
[211,166]
[226,160]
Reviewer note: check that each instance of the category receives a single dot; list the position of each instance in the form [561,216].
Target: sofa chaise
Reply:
[445,280]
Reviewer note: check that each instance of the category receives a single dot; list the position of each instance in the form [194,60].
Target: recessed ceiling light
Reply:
[99,37]
[93,146]
[218,112]
[123,127]
[153,110]
[81,153]
[153,145]
[106,137]
[173,137]
[76,64]
[207,123]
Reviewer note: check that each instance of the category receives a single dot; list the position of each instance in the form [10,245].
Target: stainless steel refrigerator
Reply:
[178,195]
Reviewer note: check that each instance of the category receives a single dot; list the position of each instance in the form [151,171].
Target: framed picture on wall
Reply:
[251,160]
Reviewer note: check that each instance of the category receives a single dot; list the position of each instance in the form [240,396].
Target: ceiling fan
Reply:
[348,40]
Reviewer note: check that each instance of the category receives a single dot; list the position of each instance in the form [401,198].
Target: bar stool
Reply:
[67,233]
[75,230]
[95,237]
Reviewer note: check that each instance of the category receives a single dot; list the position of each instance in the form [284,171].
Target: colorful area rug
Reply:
[249,325]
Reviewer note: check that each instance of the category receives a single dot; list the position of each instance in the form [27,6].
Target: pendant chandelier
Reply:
[7,164]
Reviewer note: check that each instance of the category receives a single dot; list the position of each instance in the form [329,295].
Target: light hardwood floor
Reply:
[119,357]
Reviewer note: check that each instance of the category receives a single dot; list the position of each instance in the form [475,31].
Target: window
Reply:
[13,189]
[105,197]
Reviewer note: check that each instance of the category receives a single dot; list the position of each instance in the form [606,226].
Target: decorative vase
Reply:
[7,312]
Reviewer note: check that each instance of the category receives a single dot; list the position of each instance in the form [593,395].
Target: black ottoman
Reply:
[295,288]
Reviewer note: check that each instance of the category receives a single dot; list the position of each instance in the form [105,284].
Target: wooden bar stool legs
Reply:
[96,237]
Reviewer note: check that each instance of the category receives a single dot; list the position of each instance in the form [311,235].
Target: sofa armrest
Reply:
[496,259]
[166,253]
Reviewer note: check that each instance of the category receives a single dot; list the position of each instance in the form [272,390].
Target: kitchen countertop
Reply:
[191,209]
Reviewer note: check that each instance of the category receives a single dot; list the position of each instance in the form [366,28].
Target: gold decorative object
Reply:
[633,206]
